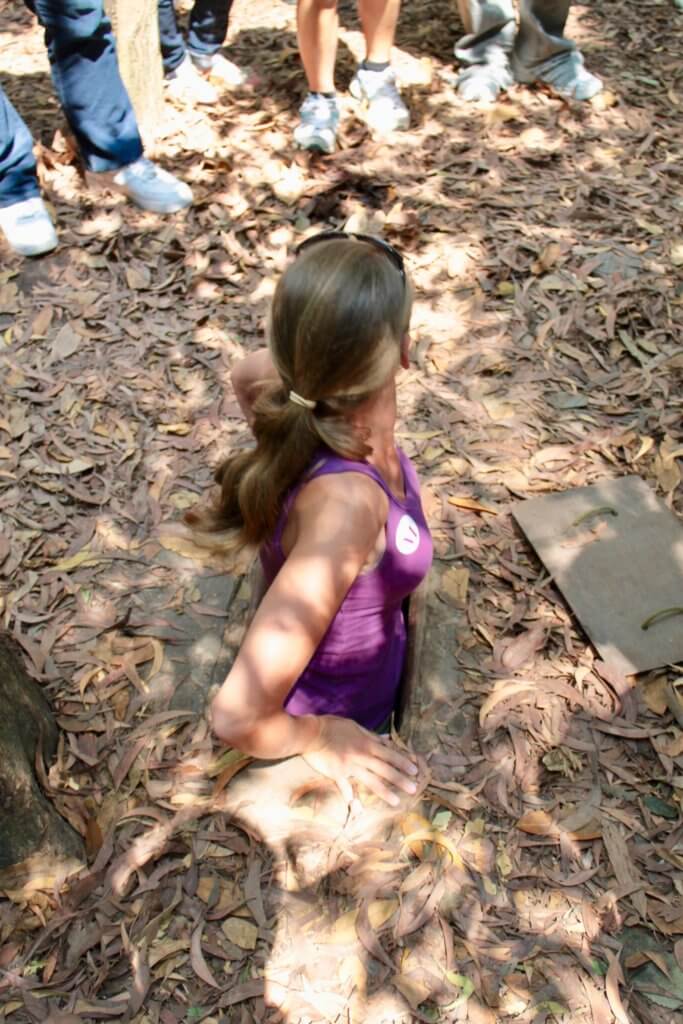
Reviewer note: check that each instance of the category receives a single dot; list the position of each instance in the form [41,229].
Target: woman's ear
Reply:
[405,350]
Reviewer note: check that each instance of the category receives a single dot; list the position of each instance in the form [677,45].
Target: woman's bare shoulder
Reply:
[342,504]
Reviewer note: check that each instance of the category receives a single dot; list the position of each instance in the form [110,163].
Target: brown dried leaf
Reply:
[654,694]
[517,652]
[240,931]
[453,586]
[471,504]
[413,990]
[139,278]
[41,322]
[379,912]
[612,981]
[627,874]
[199,964]
[65,343]
[539,823]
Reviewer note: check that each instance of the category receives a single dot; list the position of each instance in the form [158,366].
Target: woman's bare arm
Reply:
[339,520]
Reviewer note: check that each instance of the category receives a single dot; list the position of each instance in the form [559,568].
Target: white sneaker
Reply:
[319,119]
[188,85]
[481,83]
[377,90]
[28,227]
[564,73]
[224,71]
[147,185]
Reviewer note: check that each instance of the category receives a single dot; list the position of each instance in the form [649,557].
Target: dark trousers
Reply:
[490,25]
[85,73]
[206,33]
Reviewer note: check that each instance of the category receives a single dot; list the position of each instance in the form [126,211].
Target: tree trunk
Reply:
[29,824]
[136,27]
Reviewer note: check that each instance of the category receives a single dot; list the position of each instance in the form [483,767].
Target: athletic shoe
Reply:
[147,185]
[188,85]
[224,71]
[377,90]
[317,127]
[564,73]
[482,83]
[28,227]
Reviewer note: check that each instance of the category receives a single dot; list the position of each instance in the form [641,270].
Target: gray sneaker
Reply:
[147,185]
[377,90]
[318,122]
[564,73]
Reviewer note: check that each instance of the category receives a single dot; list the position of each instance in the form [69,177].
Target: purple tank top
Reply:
[356,670]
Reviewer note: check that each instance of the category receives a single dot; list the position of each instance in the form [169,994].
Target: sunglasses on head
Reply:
[327,236]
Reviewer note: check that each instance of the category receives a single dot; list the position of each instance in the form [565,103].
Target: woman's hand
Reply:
[345,750]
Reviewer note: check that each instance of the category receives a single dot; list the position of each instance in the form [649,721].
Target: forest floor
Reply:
[540,878]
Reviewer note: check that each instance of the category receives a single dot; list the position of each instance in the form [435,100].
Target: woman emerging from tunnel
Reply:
[335,508]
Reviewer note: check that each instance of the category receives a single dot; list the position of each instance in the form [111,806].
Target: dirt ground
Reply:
[540,876]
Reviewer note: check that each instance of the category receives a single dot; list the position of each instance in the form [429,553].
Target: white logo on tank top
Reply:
[407,535]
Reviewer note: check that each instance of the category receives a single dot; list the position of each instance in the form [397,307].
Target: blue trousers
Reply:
[491,24]
[85,73]
[206,34]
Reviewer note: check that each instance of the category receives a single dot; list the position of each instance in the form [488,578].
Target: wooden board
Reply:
[616,552]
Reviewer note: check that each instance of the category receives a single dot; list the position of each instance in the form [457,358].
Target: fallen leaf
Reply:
[41,322]
[472,505]
[64,344]
[539,823]
[138,278]
[453,586]
[613,979]
[413,990]
[199,964]
[176,428]
[517,652]
[654,694]
[240,931]
[547,259]
[379,912]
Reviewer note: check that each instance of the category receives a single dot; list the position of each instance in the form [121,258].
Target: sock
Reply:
[374,65]
[202,61]
[327,95]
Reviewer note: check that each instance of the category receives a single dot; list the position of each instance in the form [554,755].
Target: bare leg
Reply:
[317,28]
[379,18]
[374,83]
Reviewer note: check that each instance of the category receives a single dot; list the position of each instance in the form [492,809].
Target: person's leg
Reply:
[23,216]
[541,53]
[208,27]
[379,19]
[18,179]
[170,38]
[85,72]
[183,80]
[375,82]
[317,24]
[490,26]
[80,45]
[317,27]
[207,31]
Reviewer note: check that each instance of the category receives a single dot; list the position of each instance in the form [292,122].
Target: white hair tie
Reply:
[298,400]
